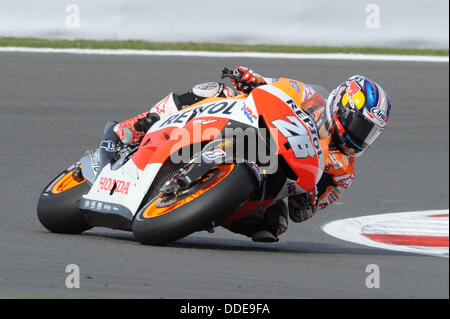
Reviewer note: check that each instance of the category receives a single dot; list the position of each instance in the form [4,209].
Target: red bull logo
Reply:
[352,88]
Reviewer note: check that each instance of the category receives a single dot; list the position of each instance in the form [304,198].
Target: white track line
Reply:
[261,55]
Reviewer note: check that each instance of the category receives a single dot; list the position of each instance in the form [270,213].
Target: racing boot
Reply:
[275,223]
[263,226]
[108,145]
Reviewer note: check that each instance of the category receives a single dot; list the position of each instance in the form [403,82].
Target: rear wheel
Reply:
[213,198]
[58,209]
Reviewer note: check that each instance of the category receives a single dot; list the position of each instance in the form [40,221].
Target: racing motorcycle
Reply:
[165,188]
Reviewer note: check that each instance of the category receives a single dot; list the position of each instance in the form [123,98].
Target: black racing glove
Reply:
[244,79]
[145,123]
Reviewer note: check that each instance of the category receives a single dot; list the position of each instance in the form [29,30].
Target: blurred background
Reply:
[360,23]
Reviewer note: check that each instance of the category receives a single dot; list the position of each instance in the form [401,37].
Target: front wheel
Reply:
[57,207]
[219,194]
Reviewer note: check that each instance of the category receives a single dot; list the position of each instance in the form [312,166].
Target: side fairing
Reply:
[121,191]
[294,132]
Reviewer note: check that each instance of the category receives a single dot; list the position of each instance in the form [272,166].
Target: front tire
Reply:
[57,208]
[211,204]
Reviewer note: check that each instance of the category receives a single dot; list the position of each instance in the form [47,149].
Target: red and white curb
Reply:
[422,232]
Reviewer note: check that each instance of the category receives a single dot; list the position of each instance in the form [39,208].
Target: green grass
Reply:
[143,45]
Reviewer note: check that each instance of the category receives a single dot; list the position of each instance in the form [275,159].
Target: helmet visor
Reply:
[360,133]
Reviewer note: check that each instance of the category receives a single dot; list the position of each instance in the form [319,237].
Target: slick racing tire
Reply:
[57,207]
[159,222]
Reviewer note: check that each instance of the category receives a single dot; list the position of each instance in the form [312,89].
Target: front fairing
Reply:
[294,133]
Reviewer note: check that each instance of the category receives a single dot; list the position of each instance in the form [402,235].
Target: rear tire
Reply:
[214,205]
[60,212]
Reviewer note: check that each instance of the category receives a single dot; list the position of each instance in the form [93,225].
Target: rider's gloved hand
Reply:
[244,79]
[302,206]
[144,124]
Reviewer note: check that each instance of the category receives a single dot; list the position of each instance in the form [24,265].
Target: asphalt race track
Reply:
[54,106]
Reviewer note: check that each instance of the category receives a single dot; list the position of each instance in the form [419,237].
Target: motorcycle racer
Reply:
[353,115]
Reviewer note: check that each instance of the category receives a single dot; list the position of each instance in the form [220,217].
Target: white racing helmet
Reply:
[360,110]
